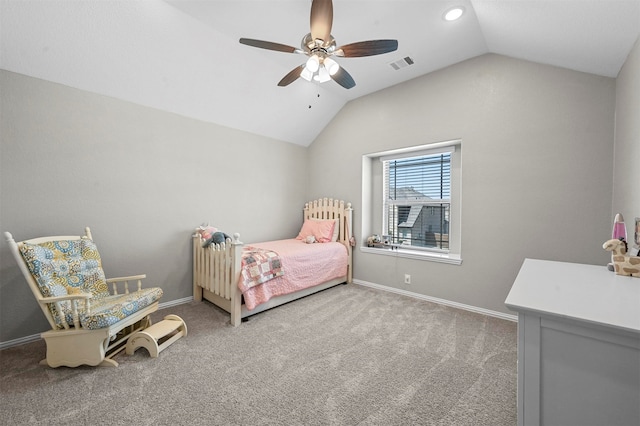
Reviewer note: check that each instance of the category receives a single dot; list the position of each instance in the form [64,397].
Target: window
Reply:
[417,200]
[411,197]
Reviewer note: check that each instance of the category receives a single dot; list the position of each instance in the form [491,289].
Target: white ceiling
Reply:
[183,56]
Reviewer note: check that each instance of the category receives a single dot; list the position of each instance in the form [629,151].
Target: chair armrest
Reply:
[77,296]
[126,280]
[74,299]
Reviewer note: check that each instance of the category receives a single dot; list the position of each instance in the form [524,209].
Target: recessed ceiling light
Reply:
[453,13]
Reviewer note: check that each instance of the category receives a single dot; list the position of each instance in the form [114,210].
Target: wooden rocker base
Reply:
[75,348]
[158,337]
[72,348]
[107,362]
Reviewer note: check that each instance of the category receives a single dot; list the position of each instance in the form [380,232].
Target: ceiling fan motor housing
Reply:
[310,46]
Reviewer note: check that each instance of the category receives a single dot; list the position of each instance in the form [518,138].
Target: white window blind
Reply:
[417,199]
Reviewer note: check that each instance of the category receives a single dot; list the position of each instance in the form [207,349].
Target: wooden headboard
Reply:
[328,208]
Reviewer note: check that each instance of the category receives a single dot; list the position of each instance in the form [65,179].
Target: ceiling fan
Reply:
[319,45]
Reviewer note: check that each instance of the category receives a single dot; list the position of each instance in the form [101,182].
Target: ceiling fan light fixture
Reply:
[331,66]
[323,75]
[306,74]
[453,13]
[313,63]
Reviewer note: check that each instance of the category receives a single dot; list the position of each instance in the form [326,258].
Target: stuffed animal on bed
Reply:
[211,235]
[218,238]
[206,231]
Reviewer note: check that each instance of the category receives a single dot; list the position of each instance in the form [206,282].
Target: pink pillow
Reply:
[336,228]
[321,230]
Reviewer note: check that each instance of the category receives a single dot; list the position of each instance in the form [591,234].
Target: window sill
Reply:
[450,258]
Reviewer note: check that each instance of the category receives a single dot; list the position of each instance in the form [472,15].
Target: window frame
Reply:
[373,205]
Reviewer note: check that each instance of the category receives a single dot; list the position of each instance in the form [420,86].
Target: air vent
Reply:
[402,63]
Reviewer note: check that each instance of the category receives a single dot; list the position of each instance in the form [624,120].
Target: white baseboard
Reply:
[445,302]
[19,341]
[175,302]
[34,337]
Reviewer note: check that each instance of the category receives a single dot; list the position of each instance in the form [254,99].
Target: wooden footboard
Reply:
[216,268]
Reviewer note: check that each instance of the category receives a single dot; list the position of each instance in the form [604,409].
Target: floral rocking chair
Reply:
[89,325]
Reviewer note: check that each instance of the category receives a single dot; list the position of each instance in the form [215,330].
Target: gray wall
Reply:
[626,179]
[537,155]
[142,179]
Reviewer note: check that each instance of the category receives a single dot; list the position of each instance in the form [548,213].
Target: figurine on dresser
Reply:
[622,264]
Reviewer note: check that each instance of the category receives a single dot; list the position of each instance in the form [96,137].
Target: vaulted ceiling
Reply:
[183,56]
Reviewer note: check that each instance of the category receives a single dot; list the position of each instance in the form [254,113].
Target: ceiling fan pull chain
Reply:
[318,91]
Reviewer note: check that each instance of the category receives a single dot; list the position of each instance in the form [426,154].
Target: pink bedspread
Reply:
[305,265]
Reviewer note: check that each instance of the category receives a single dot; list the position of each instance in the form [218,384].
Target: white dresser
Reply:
[578,345]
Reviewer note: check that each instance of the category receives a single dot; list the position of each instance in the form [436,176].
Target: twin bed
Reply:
[247,279]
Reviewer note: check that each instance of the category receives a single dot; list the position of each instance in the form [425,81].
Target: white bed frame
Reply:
[216,268]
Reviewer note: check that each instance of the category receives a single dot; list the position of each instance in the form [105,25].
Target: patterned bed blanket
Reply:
[258,266]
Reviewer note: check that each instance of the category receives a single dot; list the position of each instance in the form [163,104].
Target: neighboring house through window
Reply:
[417,199]
[417,190]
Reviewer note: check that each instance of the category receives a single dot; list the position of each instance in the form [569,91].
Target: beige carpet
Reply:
[350,355]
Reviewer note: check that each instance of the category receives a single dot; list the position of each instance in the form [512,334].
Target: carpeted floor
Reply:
[350,355]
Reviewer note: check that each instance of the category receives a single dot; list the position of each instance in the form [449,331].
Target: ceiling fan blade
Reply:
[269,45]
[344,79]
[293,75]
[321,19]
[366,48]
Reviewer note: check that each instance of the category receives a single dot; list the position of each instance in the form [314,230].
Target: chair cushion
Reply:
[66,267]
[109,310]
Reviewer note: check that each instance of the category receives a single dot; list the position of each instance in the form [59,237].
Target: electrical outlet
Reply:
[407,279]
